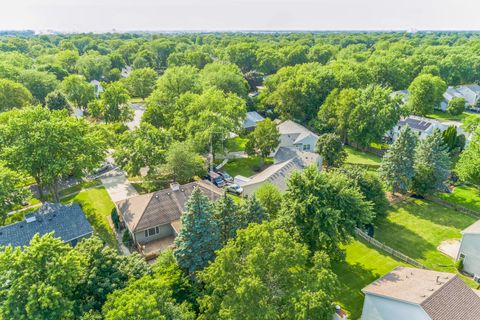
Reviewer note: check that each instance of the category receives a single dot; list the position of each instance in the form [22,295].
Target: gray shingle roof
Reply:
[161,207]
[417,124]
[66,221]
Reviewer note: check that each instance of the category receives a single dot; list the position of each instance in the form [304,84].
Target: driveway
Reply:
[118,186]
[138,109]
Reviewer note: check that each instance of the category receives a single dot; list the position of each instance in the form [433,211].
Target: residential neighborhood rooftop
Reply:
[417,123]
[67,222]
[161,207]
[443,296]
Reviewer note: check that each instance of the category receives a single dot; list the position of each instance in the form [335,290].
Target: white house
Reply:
[251,120]
[97,86]
[470,249]
[417,294]
[287,160]
[294,135]
[469,92]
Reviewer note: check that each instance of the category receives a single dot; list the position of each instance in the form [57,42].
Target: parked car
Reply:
[225,176]
[104,167]
[235,189]
[216,179]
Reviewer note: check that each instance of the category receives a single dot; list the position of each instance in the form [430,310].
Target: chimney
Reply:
[175,186]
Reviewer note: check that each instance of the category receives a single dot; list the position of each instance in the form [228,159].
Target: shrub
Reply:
[115,218]
[127,238]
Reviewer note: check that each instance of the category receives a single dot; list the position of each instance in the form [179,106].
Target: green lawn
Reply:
[416,228]
[246,166]
[358,157]
[364,264]
[465,196]
[96,205]
[236,144]
[445,116]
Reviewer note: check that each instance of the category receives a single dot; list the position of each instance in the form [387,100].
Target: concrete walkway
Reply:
[450,248]
[118,186]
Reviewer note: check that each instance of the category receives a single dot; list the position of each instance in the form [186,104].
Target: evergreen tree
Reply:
[228,218]
[253,212]
[432,164]
[199,237]
[397,169]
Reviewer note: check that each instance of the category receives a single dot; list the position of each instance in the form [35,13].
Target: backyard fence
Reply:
[389,250]
[453,206]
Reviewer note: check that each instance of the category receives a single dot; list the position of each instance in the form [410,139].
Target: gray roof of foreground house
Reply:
[416,123]
[443,296]
[161,207]
[67,222]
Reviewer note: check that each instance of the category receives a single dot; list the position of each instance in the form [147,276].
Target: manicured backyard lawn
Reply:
[97,206]
[246,166]
[465,196]
[417,227]
[364,264]
[359,157]
[445,116]
[236,144]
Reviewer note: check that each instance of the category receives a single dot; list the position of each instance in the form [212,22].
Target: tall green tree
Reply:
[269,198]
[49,145]
[13,95]
[330,147]
[426,92]
[199,237]
[228,217]
[56,100]
[93,65]
[264,139]
[225,77]
[454,142]
[182,163]
[264,271]
[468,166]
[141,82]
[77,90]
[12,193]
[40,281]
[40,84]
[113,105]
[397,168]
[432,165]
[456,106]
[145,146]
[252,211]
[323,209]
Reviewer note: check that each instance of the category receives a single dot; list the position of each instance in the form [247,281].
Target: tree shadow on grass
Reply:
[436,213]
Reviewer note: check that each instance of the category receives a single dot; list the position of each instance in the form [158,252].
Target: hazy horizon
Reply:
[239,15]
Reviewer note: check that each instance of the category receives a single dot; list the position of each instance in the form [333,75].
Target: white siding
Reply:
[470,248]
[379,308]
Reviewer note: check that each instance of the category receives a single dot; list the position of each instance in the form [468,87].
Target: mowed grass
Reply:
[465,196]
[445,116]
[359,157]
[97,206]
[246,167]
[364,264]
[417,227]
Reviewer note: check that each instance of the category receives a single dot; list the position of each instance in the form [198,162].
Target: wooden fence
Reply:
[453,206]
[389,250]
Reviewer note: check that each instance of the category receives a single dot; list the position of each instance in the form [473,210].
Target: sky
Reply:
[233,15]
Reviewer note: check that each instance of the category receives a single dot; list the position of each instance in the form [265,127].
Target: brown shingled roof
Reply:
[161,207]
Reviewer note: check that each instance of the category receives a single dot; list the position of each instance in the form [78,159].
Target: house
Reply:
[67,222]
[286,161]
[251,120]
[153,219]
[294,135]
[125,72]
[469,250]
[469,92]
[418,294]
[424,127]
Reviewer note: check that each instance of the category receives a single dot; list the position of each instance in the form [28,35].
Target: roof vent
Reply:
[175,186]
[30,217]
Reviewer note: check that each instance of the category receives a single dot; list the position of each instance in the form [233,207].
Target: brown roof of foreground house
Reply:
[442,295]
[161,207]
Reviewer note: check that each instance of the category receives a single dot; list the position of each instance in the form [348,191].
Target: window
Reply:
[151,232]
[306,147]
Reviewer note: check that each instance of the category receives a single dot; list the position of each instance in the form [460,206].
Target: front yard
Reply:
[417,227]
[97,206]
[246,167]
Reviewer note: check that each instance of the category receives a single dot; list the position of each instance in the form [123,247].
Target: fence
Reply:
[389,250]
[453,206]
